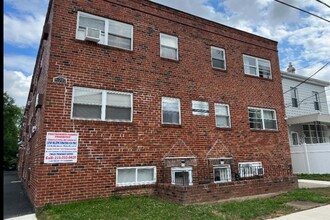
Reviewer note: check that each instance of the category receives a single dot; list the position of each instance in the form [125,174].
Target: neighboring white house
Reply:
[308,120]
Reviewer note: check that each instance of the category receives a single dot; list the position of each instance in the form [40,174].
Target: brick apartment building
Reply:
[132,97]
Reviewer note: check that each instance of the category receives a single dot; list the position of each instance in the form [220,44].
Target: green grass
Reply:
[127,208]
[325,177]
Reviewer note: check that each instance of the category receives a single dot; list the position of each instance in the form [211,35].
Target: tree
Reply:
[12,116]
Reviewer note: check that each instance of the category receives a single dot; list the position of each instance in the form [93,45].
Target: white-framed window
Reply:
[315,133]
[129,176]
[295,138]
[218,56]
[294,97]
[169,47]
[222,115]
[257,67]
[250,169]
[200,108]
[104,31]
[222,173]
[171,113]
[181,176]
[316,101]
[262,119]
[105,105]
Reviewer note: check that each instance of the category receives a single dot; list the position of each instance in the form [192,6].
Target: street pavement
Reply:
[15,200]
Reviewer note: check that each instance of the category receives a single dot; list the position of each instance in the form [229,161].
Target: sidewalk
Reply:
[24,217]
[313,183]
[320,213]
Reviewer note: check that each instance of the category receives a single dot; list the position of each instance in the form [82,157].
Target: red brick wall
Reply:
[216,192]
[103,146]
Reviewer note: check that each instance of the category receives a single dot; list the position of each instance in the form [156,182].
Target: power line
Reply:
[323,3]
[307,78]
[299,103]
[302,10]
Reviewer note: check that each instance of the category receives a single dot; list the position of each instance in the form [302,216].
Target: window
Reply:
[127,176]
[200,108]
[295,138]
[257,67]
[222,116]
[95,104]
[218,58]
[169,47]
[250,169]
[316,101]
[316,133]
[171,111]
[222,173]
[105,31]
[294,97]
[181,176]
[262,119]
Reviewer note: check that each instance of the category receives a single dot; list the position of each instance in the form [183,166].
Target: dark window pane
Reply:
[270,124]
[218,63]
[86,111]
[316,106]
[255,123]
[170,117]
[182,178]
[294,102]
[118,113]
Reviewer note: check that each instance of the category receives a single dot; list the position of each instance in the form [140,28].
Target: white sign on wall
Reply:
[61,147]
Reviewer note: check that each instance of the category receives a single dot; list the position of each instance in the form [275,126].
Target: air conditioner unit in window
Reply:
[260,171]
[39,99]
[34,128]
[92,34]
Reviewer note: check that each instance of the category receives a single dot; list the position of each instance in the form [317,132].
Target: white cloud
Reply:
[33,7]
[19,63]
[23,31]
[17,85]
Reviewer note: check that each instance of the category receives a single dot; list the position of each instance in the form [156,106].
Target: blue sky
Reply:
[303,39]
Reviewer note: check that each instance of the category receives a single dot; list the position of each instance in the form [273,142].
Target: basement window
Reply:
[250,169]
[181,176]
[222,173]
[95,104]
[128,176]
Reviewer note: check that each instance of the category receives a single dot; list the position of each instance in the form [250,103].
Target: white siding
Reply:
[305,90]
